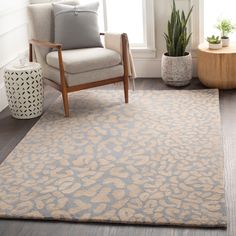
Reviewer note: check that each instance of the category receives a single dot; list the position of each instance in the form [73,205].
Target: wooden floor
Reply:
[12,131]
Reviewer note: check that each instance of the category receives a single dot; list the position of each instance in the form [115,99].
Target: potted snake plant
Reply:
[176,62]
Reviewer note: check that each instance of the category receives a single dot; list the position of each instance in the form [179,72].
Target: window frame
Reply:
[148,49]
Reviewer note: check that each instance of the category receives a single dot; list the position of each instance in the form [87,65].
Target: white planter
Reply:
[176,71]
[215,46]
[225,42]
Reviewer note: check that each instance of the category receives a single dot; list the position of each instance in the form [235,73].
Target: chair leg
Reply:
[65,103]
[126,89]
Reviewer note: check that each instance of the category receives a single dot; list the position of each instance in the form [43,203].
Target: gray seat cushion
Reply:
[53,74]
[84,60]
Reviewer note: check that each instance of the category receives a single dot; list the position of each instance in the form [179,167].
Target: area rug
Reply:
[157,160]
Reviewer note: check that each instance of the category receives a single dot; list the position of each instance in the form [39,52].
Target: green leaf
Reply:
[176,37]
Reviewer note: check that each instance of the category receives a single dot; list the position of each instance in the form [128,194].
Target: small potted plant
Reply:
[226,27]
[214,42]
[176,66]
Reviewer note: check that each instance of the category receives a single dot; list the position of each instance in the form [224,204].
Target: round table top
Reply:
[29,66]
[224,50]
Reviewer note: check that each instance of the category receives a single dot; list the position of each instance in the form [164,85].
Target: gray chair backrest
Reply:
[41,27]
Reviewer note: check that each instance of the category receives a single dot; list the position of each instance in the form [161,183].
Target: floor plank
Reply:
[12,131]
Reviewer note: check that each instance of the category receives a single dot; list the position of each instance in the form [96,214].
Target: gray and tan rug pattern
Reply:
[158,160]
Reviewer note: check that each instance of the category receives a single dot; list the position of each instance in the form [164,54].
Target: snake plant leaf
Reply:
[177,38]
[170,30]
[188,17]
[187,40]
[183,17]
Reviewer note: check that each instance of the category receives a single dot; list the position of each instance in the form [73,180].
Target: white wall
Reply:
[13,37]
[152,67]
[218,11]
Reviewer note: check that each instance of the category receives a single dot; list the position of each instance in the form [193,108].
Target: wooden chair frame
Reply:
[65,89]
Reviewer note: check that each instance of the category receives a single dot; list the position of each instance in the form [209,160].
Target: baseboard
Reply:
[3,97]
[151,68]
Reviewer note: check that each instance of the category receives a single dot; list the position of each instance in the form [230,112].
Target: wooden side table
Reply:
[24,89]
[217,68]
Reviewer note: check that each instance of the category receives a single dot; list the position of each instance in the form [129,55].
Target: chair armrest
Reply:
[45,44]
[125,52]
[41,43]
[118,40]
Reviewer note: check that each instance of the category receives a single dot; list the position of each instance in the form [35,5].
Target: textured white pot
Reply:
[225,42]
[215,46]
[176,71]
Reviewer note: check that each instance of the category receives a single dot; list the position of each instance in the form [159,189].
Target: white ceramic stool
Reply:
[24,89]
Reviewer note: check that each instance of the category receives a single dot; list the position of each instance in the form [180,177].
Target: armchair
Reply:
[73,70]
